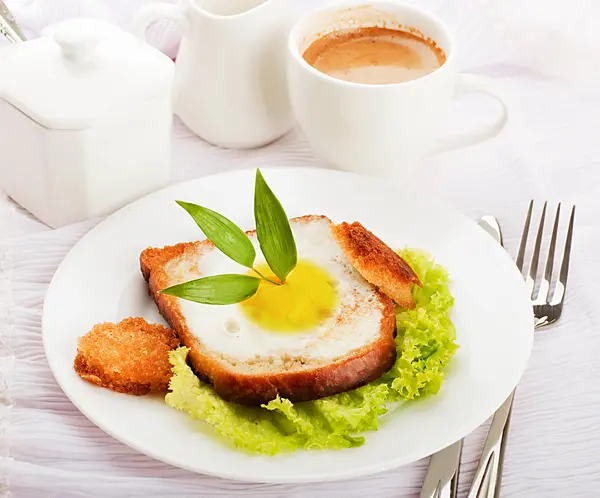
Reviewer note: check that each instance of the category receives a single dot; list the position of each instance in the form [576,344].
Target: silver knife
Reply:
[486,482]
[441,480]
[491,226]
[8,27]
[488,476]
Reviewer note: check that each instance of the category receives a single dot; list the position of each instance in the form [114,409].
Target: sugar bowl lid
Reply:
[81,71]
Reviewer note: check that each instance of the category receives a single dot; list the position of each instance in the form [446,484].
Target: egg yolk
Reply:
[306,299]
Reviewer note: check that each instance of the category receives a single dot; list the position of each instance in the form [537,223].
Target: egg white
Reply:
[226,330]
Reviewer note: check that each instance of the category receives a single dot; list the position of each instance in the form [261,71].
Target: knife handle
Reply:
[441,480]
[503,444]
[8,27]
[488,476]
[450,490]
[8,32]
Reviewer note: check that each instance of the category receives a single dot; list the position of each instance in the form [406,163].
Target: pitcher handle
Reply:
[146,15]
[479,84]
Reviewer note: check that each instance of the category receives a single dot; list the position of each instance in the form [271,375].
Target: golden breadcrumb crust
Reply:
[358,368]
[130,357]
[377,262]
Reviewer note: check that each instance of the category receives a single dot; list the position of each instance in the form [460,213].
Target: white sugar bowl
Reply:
[85,121]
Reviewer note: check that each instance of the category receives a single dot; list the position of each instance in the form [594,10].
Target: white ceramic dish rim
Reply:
[291,477]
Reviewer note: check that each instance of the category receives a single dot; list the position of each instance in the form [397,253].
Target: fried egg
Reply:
[324,310]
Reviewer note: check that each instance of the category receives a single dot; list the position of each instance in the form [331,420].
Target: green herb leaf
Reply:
[218,289]
[223,233]
[273,230]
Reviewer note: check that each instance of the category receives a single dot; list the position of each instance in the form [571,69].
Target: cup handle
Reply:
[146,15]
[480,84]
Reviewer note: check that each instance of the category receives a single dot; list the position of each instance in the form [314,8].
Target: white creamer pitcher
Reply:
[230,82]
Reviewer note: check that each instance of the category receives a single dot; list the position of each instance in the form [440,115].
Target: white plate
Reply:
[99,280]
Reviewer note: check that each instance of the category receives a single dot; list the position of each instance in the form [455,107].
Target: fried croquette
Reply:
[130,357]
[377,262]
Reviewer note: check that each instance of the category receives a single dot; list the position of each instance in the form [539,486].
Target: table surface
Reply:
[545,54]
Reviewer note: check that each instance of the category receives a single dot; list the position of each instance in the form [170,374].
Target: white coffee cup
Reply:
[381,130]
[230,79]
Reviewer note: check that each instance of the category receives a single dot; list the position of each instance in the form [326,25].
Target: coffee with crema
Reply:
[374,55]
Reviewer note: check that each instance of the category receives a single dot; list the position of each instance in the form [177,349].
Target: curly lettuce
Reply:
[425,344]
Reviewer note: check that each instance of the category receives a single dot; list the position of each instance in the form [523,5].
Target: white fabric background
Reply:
[547,53]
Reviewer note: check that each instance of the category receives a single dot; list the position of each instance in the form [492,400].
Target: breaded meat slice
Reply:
[377,262]
[130,357]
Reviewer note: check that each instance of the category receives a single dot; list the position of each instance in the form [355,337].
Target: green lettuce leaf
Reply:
[426,335]
[425,344]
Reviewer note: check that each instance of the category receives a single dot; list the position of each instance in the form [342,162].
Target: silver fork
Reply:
[547,310]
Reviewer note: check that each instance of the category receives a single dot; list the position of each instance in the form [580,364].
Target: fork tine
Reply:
[542,297]
[559,293]
[535,257]
[523,245]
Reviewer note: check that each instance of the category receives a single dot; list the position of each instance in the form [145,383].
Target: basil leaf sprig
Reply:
[275,239]
[223,233]
[273,230]
[218,289]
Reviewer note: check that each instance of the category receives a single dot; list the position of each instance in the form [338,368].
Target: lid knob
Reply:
[78,41]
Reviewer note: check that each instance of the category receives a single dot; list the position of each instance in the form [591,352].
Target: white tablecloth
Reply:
[546,54]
